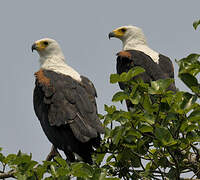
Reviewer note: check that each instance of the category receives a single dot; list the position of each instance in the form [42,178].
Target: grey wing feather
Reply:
[74,103]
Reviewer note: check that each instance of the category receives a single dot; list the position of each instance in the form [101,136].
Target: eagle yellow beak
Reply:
[39,45]
[117,33]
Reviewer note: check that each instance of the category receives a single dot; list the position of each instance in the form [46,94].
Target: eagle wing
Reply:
[132,58]
[166,65]
[70,103]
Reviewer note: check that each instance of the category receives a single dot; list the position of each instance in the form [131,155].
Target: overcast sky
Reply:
[81,28]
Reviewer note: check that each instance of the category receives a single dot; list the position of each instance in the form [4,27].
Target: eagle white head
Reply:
[47,48]
[133,38]
[52,58]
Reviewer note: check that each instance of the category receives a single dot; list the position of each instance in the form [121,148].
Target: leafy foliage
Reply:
[24,168]
[157,139]
[196,24]
[160,133]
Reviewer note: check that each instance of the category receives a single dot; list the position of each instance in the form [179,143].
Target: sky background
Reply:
[81,28]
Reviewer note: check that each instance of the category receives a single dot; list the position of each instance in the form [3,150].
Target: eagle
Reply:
[135,52]
[65,104]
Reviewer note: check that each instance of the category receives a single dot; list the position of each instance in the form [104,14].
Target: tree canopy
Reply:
[158,139]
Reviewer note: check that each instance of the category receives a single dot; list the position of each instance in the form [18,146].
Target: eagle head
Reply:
[46,47]
[128,34]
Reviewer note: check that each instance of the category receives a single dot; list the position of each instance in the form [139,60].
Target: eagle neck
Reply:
[58,65]
[140,45]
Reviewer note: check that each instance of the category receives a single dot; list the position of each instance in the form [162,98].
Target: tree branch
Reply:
[8,174]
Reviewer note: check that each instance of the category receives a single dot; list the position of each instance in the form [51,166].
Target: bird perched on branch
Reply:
[135,52]
[64,102]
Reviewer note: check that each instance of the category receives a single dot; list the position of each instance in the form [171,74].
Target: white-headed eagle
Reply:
[65,104]
[136,52]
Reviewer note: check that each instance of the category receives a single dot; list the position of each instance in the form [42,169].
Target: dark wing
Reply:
[67,112]
[132,58]
[74,103]
[153,71]
[87,122]
[166,65]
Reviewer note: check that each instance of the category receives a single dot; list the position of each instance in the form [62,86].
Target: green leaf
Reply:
[192,58]
[133,133]
[63,172]
[124,77]
[193,137]
[164,107]
[53,171]
[149,118]
[107,132]
[101,116]
[40,170]
[134,72]
[117,134]
[120,96]
[146,128]
[147,104]
[61,161]
[135,99]
[188,101]
[101,175]
[148,166]
[10,158]
[194,116]
[189,65]
[191,128]
[143,145]
[188,79]
[99,158]
[164,136]
[110,158]
[2,157]
[114,78]
[110,109]
[82,170]
[196,24]
[159,86]
[126,156]
[21,177]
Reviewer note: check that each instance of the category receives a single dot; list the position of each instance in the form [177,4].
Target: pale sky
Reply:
[81,28]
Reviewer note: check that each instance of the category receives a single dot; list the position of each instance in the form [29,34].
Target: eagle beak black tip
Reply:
[110,35]
[33,47]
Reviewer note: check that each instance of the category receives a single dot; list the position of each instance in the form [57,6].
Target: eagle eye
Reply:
[123,30]
[45,43]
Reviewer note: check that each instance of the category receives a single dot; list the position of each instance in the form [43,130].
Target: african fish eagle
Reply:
[64,102]
[136,52]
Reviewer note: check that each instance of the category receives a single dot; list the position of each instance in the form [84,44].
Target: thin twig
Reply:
[176,164]
[52,154]
[160,171]
[195,149]
[157,116]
